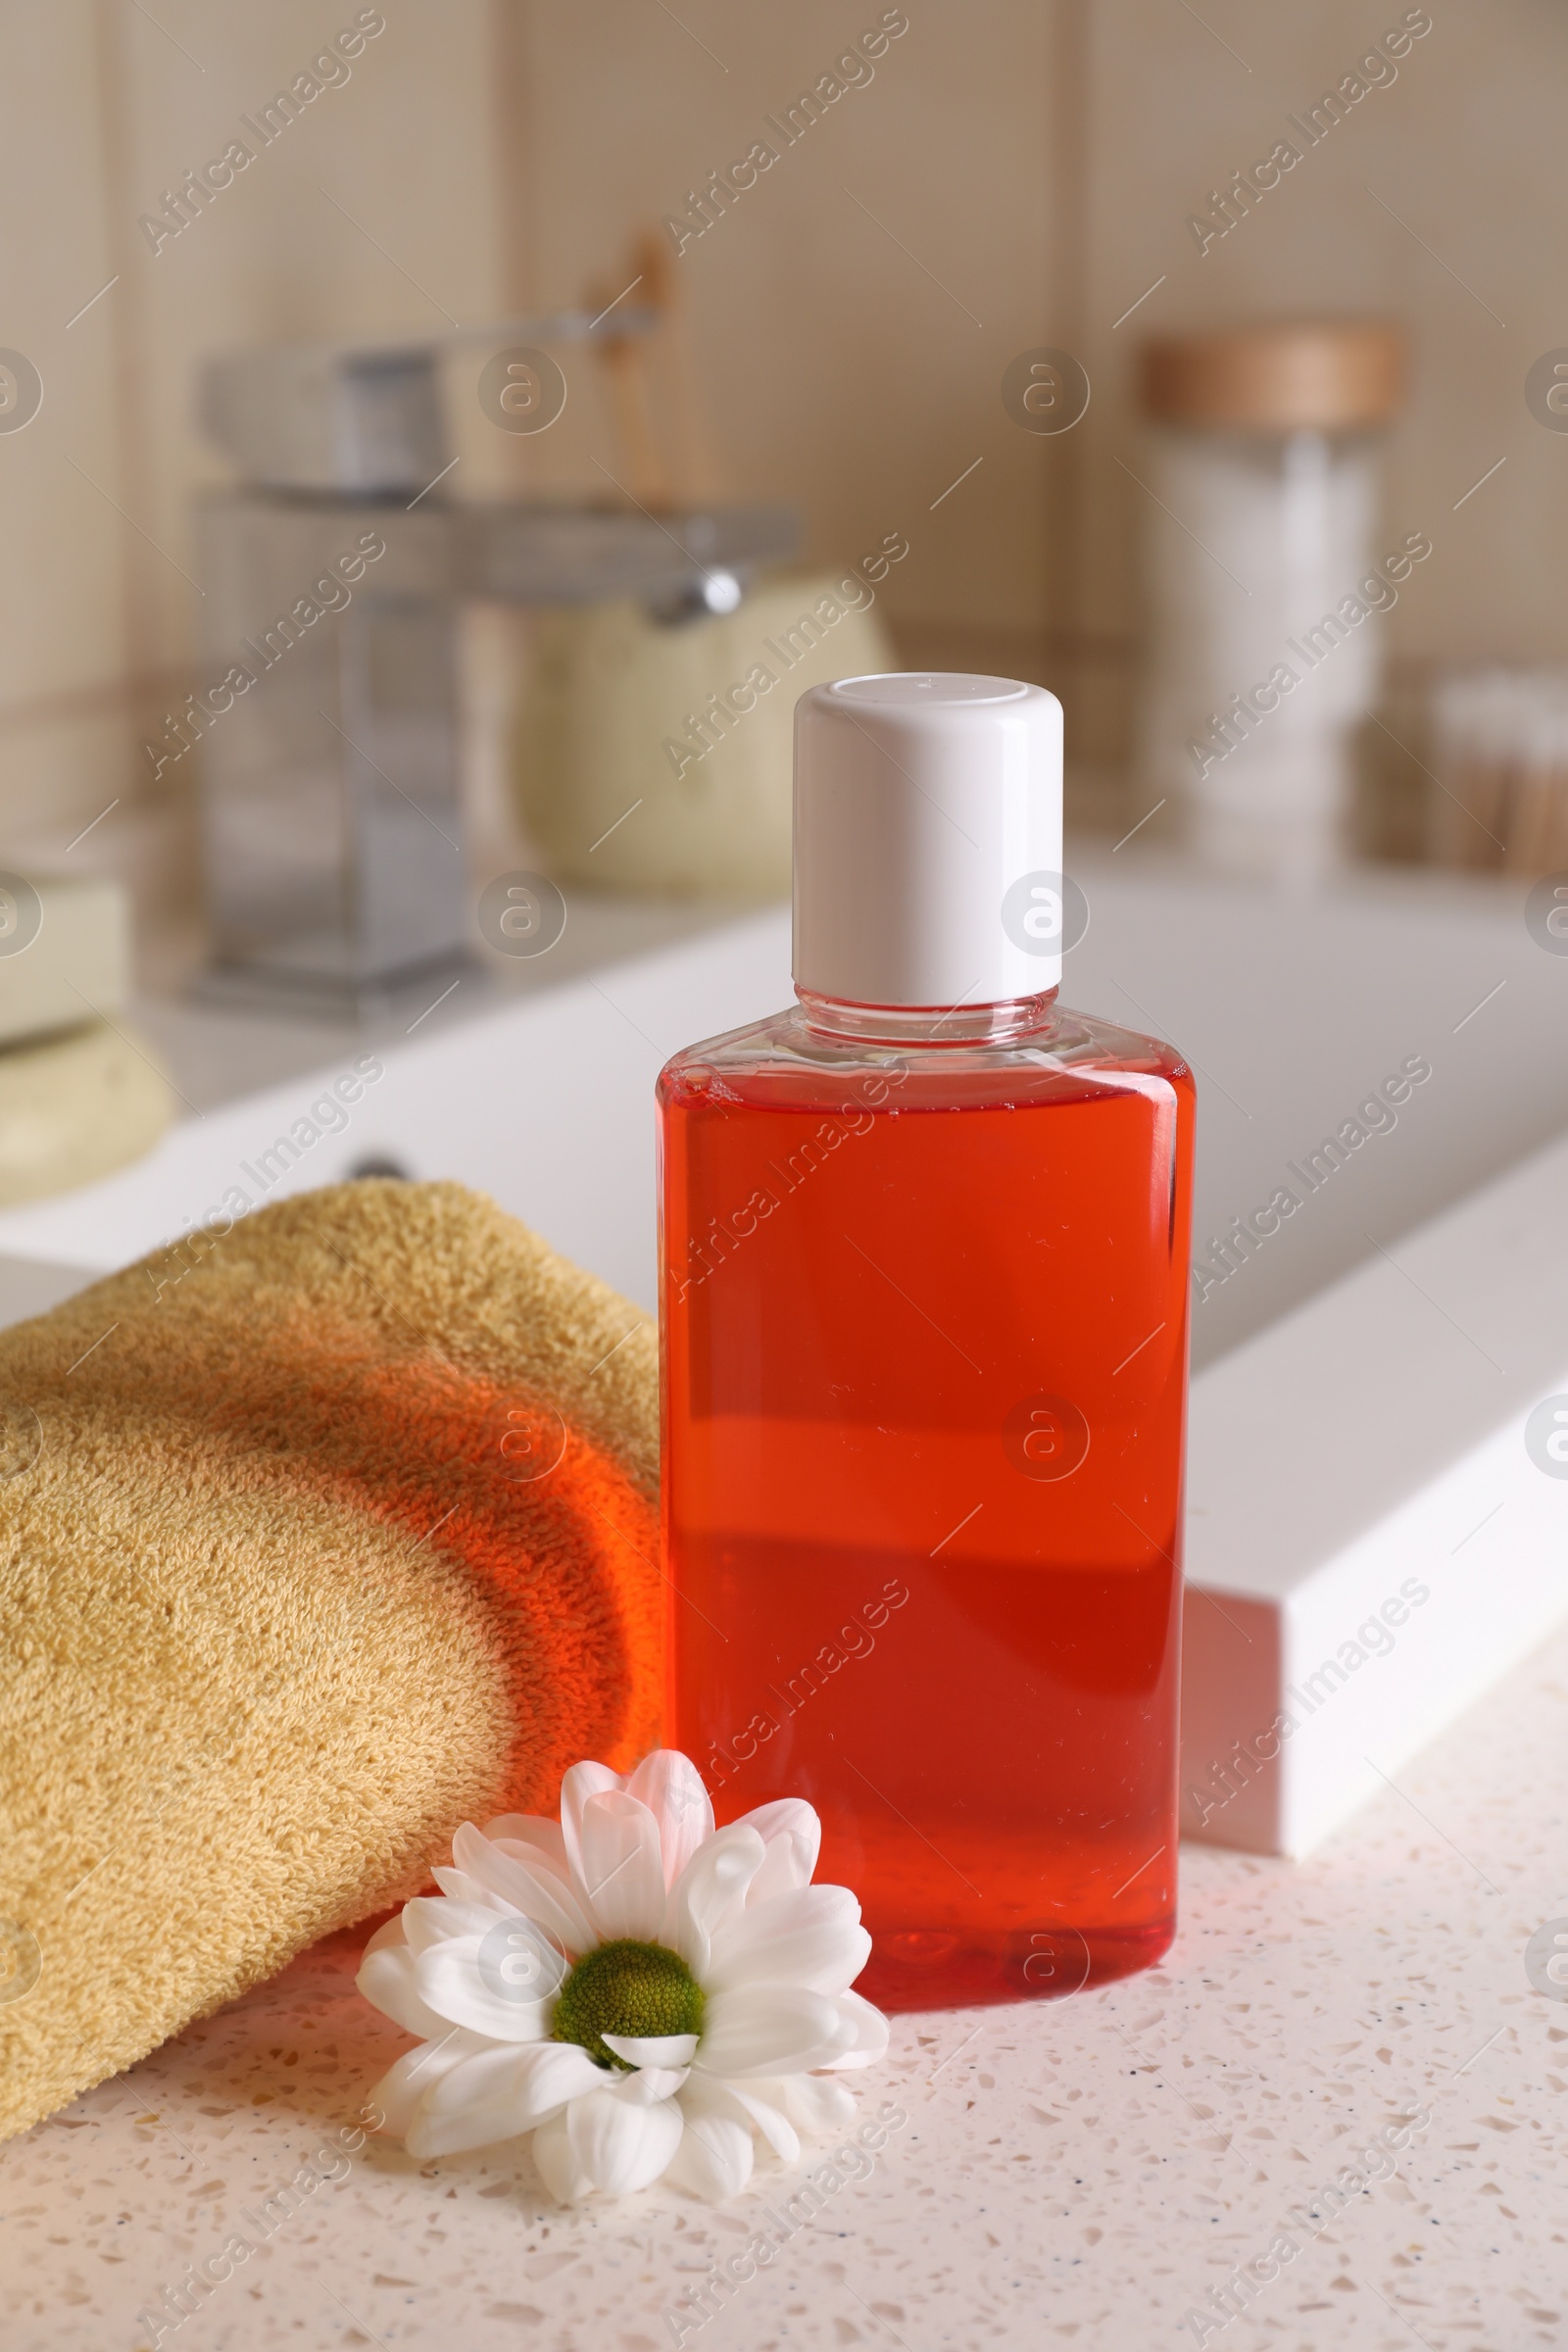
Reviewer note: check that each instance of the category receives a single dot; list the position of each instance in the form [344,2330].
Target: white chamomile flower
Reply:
[648,1996]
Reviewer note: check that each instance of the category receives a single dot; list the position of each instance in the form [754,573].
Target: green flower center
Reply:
[626,1987]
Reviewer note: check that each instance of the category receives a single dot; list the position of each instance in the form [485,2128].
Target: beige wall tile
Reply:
[104,111]
[847,361]
[61,605]
[1464,148]
[373,213]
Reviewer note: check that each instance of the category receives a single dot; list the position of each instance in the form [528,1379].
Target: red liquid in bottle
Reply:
[925,1333]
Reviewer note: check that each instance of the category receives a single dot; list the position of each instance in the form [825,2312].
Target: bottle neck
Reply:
[927,1024]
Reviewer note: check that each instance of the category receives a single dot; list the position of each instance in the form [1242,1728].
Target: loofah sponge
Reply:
[318,1539]
[624,774]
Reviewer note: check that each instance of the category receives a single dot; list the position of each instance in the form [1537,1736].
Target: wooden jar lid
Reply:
[1324,376]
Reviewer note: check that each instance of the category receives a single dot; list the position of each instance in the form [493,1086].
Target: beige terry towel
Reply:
[318,1538]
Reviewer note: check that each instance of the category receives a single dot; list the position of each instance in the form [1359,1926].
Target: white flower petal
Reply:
[771,2030]
[559,2169]
[869,2032]
[811,1936]
[652,2049]
[646,2084]
[622,1871]
[541,2076]
[530,1829]
[388,1981]
[816,2102]
[620,2146]
[791,1836]
[712,1883]
[433,1919]
[577,1785]
[670,1786]
[496,2094]
[520,1876]
[389,1934]
[714,2157]
[760,2104]
[463,1889]
[449,1980]
[403,2091]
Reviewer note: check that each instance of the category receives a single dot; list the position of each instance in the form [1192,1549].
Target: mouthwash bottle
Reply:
[924,1251]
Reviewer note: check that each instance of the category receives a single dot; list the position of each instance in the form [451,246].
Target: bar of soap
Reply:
[1377,1516]
[74,1105]
[64,954]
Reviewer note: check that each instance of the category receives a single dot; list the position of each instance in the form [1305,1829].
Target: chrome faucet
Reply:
[328,734]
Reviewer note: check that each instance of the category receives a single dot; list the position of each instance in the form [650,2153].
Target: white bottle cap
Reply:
[928,840]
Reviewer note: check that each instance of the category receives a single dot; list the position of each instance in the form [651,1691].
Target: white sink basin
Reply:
[1327,1461]
[1290,1009]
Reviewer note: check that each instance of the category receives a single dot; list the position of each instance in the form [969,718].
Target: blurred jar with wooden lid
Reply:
[1264,587]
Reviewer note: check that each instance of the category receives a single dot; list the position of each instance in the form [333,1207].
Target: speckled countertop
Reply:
[1081,2170]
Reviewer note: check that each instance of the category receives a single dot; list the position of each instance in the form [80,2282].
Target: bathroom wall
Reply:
[1436,201]
[1001,176]
[856,308]
[374,209]
[1041,163]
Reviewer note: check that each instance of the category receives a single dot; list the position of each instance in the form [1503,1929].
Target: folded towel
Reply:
[321,1535]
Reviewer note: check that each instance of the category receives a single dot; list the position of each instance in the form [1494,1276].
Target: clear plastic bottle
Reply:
[924,1327]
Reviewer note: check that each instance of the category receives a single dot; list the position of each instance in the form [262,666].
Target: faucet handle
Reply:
[302,416]
[361,419]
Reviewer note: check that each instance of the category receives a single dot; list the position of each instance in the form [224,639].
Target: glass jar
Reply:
[1264,604]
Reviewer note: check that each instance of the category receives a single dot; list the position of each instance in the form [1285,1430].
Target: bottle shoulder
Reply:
[785,1060]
